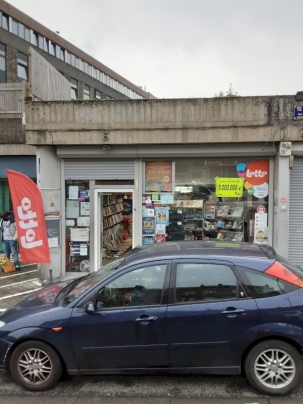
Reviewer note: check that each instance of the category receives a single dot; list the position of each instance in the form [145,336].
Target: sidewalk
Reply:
[15,286]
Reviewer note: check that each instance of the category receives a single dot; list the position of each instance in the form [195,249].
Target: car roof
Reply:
[215,249]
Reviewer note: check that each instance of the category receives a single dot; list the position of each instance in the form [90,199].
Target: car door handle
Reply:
[233,311]
[142,319]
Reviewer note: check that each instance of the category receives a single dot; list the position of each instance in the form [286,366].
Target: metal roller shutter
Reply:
[98,170]
[295,244]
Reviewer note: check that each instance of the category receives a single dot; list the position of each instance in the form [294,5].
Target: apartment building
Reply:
[88,78]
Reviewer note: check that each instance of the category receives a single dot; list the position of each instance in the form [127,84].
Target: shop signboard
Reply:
[159,176]
[229,187]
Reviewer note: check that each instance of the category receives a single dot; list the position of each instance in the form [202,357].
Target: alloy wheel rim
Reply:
[35,366]
[275,368]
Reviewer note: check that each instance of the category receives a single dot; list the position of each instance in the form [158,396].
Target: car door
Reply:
[210,318]
[125,330]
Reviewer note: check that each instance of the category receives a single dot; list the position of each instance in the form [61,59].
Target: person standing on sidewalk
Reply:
[10,237]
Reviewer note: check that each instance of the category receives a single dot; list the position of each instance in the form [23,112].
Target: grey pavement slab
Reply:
[15,286]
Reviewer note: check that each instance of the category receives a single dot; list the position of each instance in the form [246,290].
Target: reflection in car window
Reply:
[140,287]
[78,287]
[262,285]
[204,282]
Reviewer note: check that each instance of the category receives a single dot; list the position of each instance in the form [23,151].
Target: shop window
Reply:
[77,213]
[212,199]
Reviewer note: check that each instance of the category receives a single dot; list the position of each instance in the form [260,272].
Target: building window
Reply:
[46,45]
[22,67]
[52,49]
[27,34]
[68,59]
[58,50]
[62,55]
[15,27]
[82,65]
[41,41]
[98,95]
[35,38]
[21,30]
[86,92]
[5,21]
[2,64]
[77,62]
[74,89]
[73,60]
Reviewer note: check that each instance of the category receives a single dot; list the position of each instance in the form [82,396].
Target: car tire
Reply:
[274,367]
[35,366]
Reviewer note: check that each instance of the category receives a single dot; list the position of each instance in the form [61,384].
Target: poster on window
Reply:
[159,176]
[261,235]
[148,225]
[162,215]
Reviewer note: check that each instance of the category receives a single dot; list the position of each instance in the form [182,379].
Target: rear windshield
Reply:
[292,267]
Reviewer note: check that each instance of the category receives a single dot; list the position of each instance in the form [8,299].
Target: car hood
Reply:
[40,307]
[40,300]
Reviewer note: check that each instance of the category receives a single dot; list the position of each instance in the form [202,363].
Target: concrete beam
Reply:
[17,150]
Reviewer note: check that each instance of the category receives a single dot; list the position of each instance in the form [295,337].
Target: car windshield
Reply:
[80,286]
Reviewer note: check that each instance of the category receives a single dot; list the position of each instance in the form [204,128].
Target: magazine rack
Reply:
[224,220]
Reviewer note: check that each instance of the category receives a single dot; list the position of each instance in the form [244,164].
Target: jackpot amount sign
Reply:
[158,176]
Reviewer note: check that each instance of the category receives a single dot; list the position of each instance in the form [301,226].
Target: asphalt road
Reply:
[145,390]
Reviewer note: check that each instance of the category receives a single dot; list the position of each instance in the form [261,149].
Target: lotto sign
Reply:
[30,220]
[229,187]
[257,172]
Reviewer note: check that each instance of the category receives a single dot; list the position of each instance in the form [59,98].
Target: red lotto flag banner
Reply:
[30,220]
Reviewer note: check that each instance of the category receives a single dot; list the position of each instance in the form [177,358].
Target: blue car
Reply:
[181,307]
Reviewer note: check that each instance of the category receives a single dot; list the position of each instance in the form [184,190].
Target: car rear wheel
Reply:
[35,366]
[274,367]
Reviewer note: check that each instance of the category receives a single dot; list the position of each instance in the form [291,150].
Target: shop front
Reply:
[112,206]
[204,199]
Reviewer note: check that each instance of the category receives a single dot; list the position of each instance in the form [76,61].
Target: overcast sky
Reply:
[186,48]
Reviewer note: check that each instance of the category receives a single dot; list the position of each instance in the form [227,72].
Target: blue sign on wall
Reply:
[298,112]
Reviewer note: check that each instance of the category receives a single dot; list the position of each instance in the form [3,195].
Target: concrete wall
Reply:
[11,65]
[46,83]
[11,131]
[177,121]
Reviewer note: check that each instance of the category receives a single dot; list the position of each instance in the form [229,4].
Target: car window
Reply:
[139,287]
[262,285]
[80,286]
[204,282]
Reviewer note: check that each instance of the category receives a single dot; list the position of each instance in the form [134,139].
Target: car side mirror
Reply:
[90,308]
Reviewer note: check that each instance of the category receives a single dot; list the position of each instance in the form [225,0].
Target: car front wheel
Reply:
[274,367]
[35,366]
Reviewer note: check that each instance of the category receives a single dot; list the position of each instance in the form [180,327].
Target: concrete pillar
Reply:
[281,204]
[48,178]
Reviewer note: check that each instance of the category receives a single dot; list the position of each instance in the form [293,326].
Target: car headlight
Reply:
[2,323]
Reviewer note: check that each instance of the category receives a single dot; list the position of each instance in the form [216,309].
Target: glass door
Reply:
[114,225]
